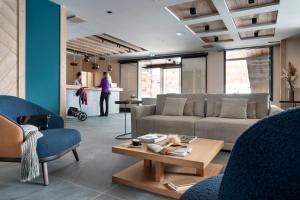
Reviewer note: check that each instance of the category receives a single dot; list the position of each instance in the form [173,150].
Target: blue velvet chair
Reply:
[56,140]
[264,164]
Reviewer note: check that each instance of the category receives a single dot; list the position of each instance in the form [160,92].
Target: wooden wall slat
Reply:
[9,47]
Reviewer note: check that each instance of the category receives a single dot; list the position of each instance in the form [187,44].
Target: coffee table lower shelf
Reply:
[138,176]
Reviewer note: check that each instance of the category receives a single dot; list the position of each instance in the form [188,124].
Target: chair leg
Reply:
[45,173]
[75,155]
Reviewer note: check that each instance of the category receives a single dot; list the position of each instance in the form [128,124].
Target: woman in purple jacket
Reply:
[105,86]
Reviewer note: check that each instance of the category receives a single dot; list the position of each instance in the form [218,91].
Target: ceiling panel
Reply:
[217,38]
[217,25]
[202,8]
[103,44]
[261,19]
[246,4]
[261,33]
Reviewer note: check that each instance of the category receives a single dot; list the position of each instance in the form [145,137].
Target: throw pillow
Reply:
[188,108]
[199,107]
[40,121]
[251,110]
[174,106]
[217,109]
[234,108]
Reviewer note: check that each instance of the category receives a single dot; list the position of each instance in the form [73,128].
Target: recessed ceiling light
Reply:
[179,34]
[109,12]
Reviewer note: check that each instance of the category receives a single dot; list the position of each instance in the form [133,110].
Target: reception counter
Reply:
[93,97]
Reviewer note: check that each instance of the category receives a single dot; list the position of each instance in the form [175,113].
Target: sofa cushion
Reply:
[234,108]
[174,106]
[56,141]
[222,128]
[198,99]
[189,108]
[217,109]
[251,110]
[167,124]
[262,102]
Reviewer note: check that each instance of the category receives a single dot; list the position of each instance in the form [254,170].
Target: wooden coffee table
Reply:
[155,170]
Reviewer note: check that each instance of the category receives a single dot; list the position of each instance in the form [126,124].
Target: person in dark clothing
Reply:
[105,86]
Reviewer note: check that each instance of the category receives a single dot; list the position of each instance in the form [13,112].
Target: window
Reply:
[150,82]
[248,71]
[159,76]
[171,80]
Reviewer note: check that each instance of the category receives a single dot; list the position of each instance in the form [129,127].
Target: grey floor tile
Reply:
[88,179]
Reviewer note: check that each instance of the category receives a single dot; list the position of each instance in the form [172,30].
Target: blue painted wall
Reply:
[43,53]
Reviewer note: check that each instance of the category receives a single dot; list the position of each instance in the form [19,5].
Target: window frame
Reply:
[270,67]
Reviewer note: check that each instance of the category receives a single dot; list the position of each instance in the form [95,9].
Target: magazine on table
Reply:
[152,138]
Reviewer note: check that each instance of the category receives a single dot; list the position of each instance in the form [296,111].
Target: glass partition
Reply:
[194,75]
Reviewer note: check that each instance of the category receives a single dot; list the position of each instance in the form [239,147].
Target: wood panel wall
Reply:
[12,47]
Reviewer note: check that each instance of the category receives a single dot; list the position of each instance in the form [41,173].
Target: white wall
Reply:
[276,75]
[293,55]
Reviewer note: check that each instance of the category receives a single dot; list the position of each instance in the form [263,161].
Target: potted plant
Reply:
[290,75]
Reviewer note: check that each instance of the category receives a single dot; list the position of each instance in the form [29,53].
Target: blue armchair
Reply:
[56,140]
[264,164]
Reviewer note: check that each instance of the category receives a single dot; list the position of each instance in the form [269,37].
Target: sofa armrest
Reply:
[11,138]
[274,110]
[138,112]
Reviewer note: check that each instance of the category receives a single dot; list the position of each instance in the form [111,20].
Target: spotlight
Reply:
[254,20]
[216,39]
[256,33]
[86,58]
[206,27]
[95,66]
[193,11]
[109,68]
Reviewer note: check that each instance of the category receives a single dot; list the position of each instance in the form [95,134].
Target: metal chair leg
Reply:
[75,154]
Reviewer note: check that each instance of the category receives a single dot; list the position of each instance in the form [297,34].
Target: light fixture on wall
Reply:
[251,1]
[256,33]
[216,38]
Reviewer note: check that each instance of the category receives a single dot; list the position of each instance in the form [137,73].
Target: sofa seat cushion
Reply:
[56,141]
[222,128]
[184,125]
[205,190]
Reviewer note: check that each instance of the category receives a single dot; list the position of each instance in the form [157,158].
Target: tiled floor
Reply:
[88,179]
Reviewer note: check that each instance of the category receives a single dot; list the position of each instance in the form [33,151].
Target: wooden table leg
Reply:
[147,163]
[159,171]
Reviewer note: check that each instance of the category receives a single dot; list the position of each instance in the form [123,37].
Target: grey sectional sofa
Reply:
[200,117]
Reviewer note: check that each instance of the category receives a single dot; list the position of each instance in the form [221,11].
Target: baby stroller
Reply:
[75,112]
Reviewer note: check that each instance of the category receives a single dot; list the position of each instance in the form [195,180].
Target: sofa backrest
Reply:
[264,162]
[195,100]
[261,99]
